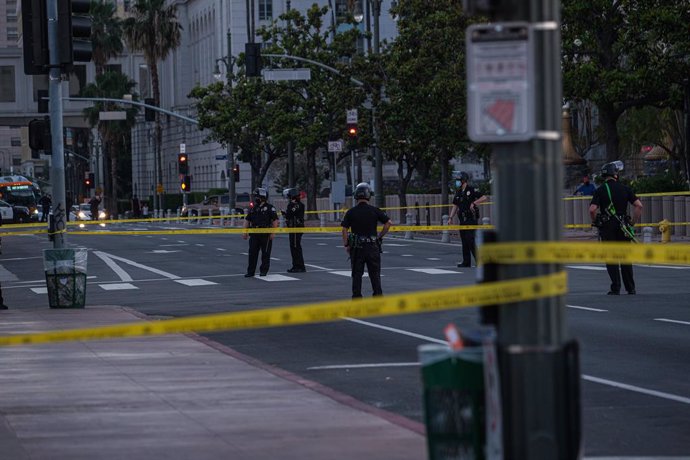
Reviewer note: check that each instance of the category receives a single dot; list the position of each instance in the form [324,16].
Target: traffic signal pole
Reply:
[539,377]
[57,170]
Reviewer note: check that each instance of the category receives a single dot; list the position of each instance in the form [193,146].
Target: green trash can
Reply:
[454,405]
[65,277]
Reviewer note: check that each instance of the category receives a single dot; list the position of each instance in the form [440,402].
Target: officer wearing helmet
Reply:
[465,203]
[294,216]
[609,212]
[261,215]
[362,242]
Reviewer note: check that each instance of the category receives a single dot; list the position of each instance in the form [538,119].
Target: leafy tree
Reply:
[622,54]
[106,33]
[153,29]
[115,135]
[424,115]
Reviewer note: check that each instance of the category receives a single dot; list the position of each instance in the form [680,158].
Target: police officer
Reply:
[465,203]
[261,215]
[294,215]
[362,243]
[611,201]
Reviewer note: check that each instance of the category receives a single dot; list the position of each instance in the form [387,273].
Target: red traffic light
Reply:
[351,130]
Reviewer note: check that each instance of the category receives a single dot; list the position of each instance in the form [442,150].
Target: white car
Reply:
[83,212]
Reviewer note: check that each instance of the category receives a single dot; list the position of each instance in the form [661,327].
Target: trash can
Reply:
[454,404]
[65,277]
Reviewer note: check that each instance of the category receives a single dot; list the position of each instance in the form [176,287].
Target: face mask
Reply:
[458,183]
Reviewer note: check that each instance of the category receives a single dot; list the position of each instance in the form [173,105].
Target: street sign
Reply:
[352,116]
[112,115]
[500,82]
[221,157]
[335,146]
[159,188]
[286,74]
[183,148]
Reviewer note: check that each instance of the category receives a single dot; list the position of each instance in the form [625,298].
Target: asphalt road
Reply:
[634,349]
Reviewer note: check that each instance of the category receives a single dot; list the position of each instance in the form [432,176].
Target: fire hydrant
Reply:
[665,230]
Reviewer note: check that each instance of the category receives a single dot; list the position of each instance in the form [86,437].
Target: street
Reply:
[636,384]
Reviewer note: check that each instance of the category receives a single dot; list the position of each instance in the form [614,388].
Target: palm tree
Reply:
[114,134]
[106,33]
[153,29]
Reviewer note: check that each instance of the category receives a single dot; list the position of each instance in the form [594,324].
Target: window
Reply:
[265,10]
[77,80]
[114,68]
[16,141]
[7,84]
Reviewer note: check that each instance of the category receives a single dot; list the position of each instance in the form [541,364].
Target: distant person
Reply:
[262,215]
[465,206]
[93,205]
[145,210]
[294,215]
[46,202]
[136,207]
[586,188]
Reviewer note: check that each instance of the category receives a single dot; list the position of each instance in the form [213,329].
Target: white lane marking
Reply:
[317,267]
[586,267]
[40,290]
[322,244]
[124,276]
[6,275]
[274,258]
[397,244]
[361,366]
[277,278]
[397,331]
[171,245]
[91,277]
[625,386]
[195,282]
[348,273]
[433,258]
[138,265]
[30,282]
[666,320]
[221,249]
[407,255]
[161,251]
[199,244]
[244,253]
[590,378]
[180,241]
[672,267]
[577,307]
[117,286]
[433,271]
[20,258]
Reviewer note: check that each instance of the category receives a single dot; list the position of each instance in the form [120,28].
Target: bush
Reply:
[667,182]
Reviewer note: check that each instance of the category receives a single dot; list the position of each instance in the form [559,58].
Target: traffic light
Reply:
[43,104]
[74,32]
[252,59]
[149,115]
[35,37]
[39,135]
[186,184]
[90,180]
[236,172]
[352,130]
[182,164]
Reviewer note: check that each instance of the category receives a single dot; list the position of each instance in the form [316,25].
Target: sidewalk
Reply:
[174,397]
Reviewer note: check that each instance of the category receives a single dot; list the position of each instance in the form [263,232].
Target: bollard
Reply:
[486,221]
[445,234]
[169,216]
[647,235]
[281,220]
[222,217]
[408,222]
[665,230]
[322,220]
[210,217]
[428,215]
[417,211]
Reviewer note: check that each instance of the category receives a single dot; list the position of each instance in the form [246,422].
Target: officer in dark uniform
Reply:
[362,243]
[261,215]
[294,216]
[611,202]
[465,203]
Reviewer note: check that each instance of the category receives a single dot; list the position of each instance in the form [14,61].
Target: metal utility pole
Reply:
[57,170]
[379,199]
[538,365]
[232,198]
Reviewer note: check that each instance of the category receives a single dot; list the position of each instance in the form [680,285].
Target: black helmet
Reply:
[464,177]
[291,193]
[261,193]
[362,191]
[612,169]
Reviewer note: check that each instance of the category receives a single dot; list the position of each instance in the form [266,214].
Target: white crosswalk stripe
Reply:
[117,286]
[195,282]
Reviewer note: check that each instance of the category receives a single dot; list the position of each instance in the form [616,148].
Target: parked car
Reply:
[14,214]
[83,212]
[211,206]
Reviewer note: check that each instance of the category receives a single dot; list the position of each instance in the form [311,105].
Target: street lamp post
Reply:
[229,62]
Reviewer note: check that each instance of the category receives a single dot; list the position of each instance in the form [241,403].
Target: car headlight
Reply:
[101,214]
[35,211]
[81,215]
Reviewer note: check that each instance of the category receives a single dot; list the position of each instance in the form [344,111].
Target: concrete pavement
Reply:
[174,397]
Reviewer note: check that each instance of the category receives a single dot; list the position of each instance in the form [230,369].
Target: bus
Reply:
[18,190]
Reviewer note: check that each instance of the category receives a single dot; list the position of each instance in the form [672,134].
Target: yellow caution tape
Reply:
[501,292]
[558,252]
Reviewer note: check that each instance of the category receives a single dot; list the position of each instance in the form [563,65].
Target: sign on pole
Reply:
[183,148]
[335,146]
[500,82]
[286,74]
[351,116]
[112,115]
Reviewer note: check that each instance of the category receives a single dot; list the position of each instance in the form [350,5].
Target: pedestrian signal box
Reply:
[500,82]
